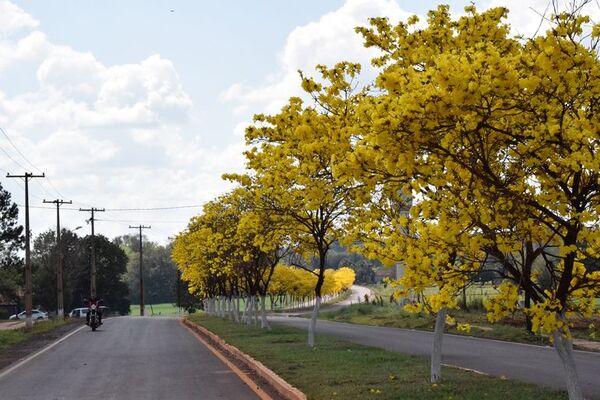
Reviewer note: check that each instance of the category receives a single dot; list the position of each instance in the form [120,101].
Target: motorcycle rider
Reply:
[88,304]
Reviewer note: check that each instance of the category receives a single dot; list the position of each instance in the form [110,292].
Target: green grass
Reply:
[9,338]
[473,292]
[336,369]
[394,316]
[159,309]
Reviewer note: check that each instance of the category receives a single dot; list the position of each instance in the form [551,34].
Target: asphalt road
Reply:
[130,358]
[528,363]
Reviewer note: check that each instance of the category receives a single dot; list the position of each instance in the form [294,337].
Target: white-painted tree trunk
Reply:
[249,310]
[564,348]
[312,326]
[236,309]
[245,312]
[229,309]
[255,309]
[436,352]
[264,324]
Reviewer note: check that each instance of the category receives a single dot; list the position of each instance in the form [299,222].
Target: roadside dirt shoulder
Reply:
[34,343]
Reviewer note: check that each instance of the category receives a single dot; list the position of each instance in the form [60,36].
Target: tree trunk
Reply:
[255,309]
[248,310]
[264,324]
[436,353]
[564,348]
[312,327]
[230,308]
[528,323]
[236,309]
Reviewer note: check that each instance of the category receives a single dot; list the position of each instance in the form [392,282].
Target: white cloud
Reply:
[111,135]
[13,18]
[327,41]
[526,16]
[77,150]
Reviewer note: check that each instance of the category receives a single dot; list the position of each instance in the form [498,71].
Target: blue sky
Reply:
[125,104]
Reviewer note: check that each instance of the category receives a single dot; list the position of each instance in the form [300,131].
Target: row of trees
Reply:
[110,259]
[12,241]
[160,272]
[470,145]
[117,264]
[233,249]
[111,263]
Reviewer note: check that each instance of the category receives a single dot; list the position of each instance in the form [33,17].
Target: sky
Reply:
[142,105]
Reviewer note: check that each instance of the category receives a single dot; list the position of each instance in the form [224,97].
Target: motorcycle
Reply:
[94,320]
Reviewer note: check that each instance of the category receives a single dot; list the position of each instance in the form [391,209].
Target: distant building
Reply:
[394,272]
[7,308]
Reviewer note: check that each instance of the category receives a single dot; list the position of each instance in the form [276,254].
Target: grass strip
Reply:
[339,369]
[11,337]
[395,317]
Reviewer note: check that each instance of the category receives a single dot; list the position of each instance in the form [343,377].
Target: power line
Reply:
[12,159]
[18,151]
[14,146]
[127,209]
[137,222]
[154,208]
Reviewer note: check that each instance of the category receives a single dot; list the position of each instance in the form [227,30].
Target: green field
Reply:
[474,292]
[156,309]
[336,369]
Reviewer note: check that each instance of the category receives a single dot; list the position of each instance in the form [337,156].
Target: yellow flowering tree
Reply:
[229,250]
[291,157]
[507,124]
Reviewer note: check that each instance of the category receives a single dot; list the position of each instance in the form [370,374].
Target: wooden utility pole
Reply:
[178,290]
[93,251]
[140,227]
[28,289]
[59,259]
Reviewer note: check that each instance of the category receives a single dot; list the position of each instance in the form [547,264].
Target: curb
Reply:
[278,383]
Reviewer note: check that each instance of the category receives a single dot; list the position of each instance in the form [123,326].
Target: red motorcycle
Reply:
[94,316]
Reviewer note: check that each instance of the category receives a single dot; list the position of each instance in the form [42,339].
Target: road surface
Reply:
[127,358]
[357,295]
[528,363]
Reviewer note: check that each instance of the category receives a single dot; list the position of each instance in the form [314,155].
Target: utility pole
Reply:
[93,249]
[59,259]
[178,290]
[140,227]
[28,290]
